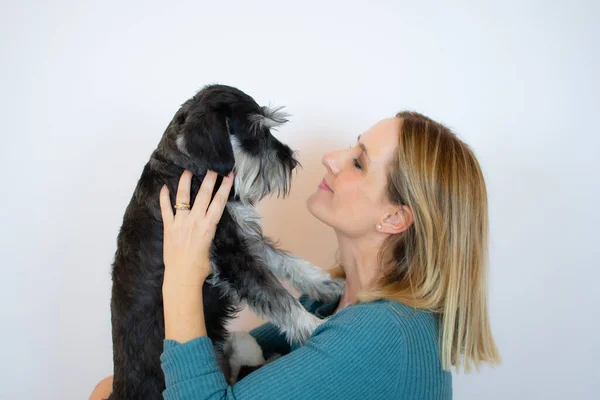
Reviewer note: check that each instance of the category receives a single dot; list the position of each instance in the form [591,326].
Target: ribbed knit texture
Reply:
[376,350]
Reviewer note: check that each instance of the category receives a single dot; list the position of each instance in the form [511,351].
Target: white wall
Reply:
[87,89]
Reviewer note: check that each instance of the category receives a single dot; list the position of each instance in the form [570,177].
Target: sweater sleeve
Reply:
[357,354]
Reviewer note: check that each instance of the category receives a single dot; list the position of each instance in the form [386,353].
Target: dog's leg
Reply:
[138,333]
[256,285]
[243,354]
[302,274]
[239,273]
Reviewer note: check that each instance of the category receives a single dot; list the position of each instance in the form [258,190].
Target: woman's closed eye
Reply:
[356,161]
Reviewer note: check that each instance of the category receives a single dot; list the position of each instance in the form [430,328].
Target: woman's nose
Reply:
[331,162]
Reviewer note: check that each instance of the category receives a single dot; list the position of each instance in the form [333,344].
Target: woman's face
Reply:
[352,198]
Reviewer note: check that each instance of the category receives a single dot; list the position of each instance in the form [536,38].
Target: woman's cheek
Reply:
[349,198]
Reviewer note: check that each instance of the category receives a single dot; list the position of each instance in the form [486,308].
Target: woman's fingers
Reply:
[201,207]
[204,194]
[183,191]
[166,208]
[215,211]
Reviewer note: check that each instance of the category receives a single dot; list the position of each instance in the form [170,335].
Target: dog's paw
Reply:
[304,328]
[243,354]
[318,321]
[300,327]
[329,290]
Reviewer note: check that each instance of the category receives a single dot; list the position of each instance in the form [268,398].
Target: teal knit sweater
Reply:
[375,350]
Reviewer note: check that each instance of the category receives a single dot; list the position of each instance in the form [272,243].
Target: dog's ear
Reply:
[204,136]
[269,118]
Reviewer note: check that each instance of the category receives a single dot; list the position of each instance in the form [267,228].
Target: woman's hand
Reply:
[188,234]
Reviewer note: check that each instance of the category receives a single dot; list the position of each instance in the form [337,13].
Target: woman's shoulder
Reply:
[388,335]
[400,332]
[417,325]
[384,314]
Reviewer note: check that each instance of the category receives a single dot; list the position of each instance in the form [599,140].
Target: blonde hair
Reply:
[440,263]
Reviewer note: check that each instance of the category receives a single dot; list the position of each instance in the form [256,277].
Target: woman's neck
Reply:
[359,260]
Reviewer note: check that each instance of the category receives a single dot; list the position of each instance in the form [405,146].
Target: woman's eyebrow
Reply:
[363,148]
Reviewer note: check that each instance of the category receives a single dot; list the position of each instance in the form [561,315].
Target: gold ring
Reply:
[182,206]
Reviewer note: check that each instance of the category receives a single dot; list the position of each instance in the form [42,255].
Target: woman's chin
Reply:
[317,207]
[310,204]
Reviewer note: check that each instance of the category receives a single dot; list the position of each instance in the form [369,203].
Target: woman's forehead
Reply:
[381,140]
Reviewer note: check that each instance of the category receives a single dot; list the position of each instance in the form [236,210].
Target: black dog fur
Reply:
[198,139]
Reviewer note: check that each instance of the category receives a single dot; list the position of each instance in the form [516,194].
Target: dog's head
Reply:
[222,129]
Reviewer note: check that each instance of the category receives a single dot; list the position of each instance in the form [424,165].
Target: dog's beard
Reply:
[257,177]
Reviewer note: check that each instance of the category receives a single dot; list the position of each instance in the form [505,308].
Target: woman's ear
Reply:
[398,221]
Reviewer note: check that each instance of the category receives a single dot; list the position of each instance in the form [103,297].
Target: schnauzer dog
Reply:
[221,129]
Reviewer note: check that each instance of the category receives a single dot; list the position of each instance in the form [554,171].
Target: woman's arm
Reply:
[356,354]
[103,389]
[187,239]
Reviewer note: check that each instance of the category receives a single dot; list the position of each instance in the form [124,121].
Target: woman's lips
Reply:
[323,185]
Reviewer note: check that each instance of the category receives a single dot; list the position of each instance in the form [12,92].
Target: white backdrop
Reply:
[87,89]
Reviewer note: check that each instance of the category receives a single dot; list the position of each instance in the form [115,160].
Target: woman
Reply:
[408,204]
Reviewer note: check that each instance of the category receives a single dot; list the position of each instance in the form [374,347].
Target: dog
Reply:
[221,129]
[244,355]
